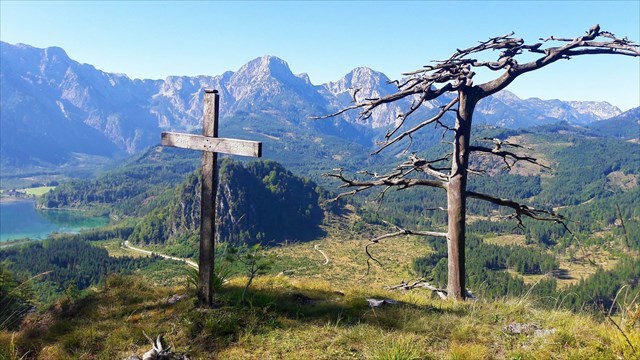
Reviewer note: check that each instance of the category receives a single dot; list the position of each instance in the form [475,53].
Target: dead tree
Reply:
[455,76]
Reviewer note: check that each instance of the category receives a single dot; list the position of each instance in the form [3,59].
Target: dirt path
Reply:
[127,245]
[326,259]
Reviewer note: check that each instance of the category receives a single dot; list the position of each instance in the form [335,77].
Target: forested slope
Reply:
[258,202]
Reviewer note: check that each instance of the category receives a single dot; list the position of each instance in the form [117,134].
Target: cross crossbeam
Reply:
[212,144]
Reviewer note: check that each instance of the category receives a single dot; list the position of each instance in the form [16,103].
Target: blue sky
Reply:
[327,39]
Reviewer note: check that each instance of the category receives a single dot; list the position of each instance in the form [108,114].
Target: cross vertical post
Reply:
[208,208]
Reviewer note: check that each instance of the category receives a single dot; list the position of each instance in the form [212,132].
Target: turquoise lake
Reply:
[20,219]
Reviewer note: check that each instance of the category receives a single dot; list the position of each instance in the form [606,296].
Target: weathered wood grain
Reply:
[212,144]
[207,205]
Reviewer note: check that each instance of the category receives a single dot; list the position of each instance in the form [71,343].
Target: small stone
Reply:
[374,303]
[176,298]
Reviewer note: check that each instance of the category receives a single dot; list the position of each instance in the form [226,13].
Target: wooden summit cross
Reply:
[211,145]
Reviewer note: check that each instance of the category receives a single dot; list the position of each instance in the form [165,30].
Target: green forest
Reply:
[257,203]
[62,263]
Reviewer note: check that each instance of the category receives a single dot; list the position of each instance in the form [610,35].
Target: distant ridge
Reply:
[54,107]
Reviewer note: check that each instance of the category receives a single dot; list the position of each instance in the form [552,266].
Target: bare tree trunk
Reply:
[456,198]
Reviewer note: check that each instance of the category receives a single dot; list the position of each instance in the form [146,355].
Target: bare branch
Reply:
[400,231]
[582,45]
[437,117]
[507,155]
[424,166]
[404,285]
[521,210]
[370,257]
[394,179]
[476,171]
[403,231]
[408,232]
[498,143]
[354,95]
[422,283]
[403,117]
[436,208]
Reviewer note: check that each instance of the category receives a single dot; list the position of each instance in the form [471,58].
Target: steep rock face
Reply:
[39,121]
[71,98]
[177,104]
[261,202]
[371,84]
[266,84]
[595,110]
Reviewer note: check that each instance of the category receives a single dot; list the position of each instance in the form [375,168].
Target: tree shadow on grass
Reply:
[267,309]
[563,274]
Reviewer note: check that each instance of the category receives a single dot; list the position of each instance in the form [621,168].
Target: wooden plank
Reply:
[208,202]
[211,144]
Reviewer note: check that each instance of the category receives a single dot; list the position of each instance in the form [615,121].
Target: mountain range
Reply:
[54,109]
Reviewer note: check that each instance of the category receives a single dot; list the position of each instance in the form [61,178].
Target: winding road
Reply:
[127,245]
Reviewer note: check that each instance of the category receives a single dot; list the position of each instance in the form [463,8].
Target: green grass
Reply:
[37,191]
[298,318]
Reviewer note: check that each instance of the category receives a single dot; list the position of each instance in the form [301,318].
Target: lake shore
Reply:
[6,244]
[21,219]
[11,199]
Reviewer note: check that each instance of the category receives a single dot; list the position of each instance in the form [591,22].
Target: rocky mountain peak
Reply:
[267,73]
[600,109]
[263,67]
[305,77]
[266,77]
[506,96]
[370,82]
[55,54]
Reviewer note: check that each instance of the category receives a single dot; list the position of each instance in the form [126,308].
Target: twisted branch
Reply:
[396,178]
[400,231]
[582,45]
[436,118]
[508,155]
[521,210]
